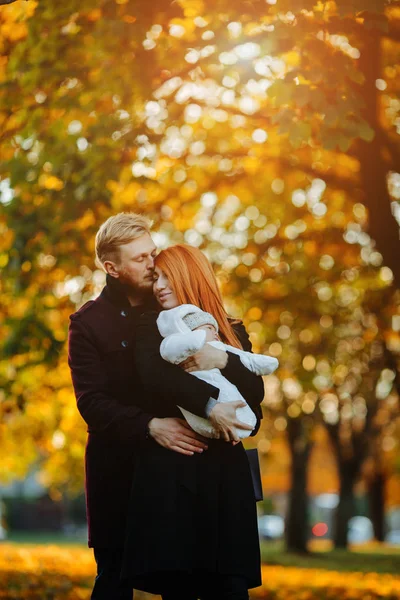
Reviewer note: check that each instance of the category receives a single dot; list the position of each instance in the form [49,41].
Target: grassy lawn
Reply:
[60,567]
[366,558]
[46,538]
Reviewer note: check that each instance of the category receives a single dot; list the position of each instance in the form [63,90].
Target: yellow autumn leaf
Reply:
[50,182]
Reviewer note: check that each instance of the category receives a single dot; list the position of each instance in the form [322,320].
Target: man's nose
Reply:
[150,263]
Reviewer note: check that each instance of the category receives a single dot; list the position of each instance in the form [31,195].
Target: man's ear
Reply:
[111,268]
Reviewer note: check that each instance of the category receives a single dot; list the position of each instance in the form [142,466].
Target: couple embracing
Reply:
[168,387]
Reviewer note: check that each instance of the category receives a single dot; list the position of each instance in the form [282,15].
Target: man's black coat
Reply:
[108,393]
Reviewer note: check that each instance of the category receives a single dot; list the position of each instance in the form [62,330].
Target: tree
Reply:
[68,124]
[353,426]
[311,76]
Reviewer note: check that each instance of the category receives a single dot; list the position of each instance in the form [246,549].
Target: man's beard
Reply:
[145,286]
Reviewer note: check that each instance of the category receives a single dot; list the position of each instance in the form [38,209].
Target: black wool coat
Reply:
[189,513]
[110,397]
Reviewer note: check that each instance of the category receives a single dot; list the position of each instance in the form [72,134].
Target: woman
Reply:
[192,530]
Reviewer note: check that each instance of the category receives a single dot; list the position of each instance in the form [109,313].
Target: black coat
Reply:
[189,513]
[110,396]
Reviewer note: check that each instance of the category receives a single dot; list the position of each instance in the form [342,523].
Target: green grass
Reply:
[46,538]
[364,559]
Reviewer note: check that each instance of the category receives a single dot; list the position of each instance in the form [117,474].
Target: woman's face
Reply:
[163,291]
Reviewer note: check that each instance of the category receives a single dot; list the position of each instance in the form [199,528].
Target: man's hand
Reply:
[223,417]
[205,359]
[176,435]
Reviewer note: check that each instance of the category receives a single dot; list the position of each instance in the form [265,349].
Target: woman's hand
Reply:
[223,417]
[205,359]
[175,434]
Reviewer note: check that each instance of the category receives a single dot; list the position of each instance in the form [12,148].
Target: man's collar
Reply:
[117,293]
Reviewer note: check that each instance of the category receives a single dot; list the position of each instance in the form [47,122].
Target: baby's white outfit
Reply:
[180,342]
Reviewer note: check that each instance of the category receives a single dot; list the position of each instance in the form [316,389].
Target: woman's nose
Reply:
[159,285]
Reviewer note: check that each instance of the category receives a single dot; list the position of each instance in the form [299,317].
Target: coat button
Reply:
[124,313]
[124,344]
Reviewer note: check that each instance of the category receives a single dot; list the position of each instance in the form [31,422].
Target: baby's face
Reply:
[211,333]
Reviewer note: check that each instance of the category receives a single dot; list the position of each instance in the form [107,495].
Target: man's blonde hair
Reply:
[117,231]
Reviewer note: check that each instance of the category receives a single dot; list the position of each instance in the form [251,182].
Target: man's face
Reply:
[135,266]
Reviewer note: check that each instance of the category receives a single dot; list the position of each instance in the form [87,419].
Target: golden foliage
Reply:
[56,573]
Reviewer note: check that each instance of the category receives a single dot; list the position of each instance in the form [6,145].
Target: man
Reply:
[101,358]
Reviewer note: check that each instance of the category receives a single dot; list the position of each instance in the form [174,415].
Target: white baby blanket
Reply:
[180,342]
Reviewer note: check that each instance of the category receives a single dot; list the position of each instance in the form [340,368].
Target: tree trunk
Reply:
[296,531]
[376,500]
[348,470]
[383,227]
[345,509]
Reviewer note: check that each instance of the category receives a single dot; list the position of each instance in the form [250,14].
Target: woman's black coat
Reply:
[110,398]
[189,513]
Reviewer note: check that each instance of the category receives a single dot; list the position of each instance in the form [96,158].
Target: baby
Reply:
[186,329]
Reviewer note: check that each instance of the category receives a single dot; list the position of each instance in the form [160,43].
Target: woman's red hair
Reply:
[192,278]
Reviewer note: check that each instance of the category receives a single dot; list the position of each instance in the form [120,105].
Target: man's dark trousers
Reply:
[108,585]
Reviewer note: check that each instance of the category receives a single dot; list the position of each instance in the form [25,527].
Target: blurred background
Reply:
[264,132]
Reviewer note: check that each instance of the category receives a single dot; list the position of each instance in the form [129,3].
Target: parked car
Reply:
[393,537]
[271,527]
[360,530]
